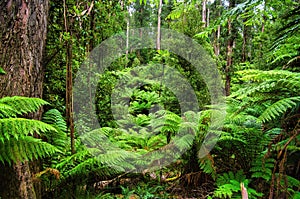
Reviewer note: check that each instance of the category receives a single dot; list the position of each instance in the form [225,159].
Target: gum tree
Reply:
[23,27]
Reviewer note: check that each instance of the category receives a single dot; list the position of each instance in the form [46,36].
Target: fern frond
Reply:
[21,127]
[7,111]
[59,137]
[255,75]
[55,118]
[278,108]
[226,177]
[207,165]
[262,168]
[25,149]
[23,105]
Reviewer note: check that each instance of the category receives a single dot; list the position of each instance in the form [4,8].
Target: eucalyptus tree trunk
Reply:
[69,81]
[127,32]
[246,31]
[208,16]
[230,43]
[218,34]
[23,26]
[158,25]
[229,59]
[204,12]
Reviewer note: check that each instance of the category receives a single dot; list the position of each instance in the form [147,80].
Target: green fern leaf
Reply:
[25,149]
[278,108]
[55,118]
[23,105]
[20,127]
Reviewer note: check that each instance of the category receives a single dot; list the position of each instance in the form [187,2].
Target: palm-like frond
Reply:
[55,118]
[24,149]
[278,108]
[16,141]
[290,28]
[58,138]
[20,127]
[20,105]
[284,85]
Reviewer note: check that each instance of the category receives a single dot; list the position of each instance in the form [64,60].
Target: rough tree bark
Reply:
[23,26]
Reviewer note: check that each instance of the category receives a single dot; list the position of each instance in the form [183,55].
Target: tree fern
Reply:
[16,142]
[208,166]
[100,157]
[285,84]
[228,186]
[286,45]
[272,99]
[20,127]
[255,75]
[21,105]
[7,111]
[57,138]
[24,149]
[267,81]
[55,118]
[262,168]
[278,108]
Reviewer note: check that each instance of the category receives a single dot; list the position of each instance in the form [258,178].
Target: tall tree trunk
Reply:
[158,25]
[69,81]
[23,27]
[218,40]
[127,32]
[218,34]
[208,16]
[264,18]
[204,12]
[245,42]
[230,43]
[228,61]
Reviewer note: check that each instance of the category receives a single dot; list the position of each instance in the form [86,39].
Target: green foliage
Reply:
[2,72]
[207,165]
[145,191]
[285,47]
[20,128]
[262,112]
[17,105]
[272,99]
[54,117]
[278,108]
[23,149]
[57,138]
[262,168]
[228,186]
[95,160]
[16,141]
[263,88]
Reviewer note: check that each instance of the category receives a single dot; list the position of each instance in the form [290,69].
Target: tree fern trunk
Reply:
[22,39]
